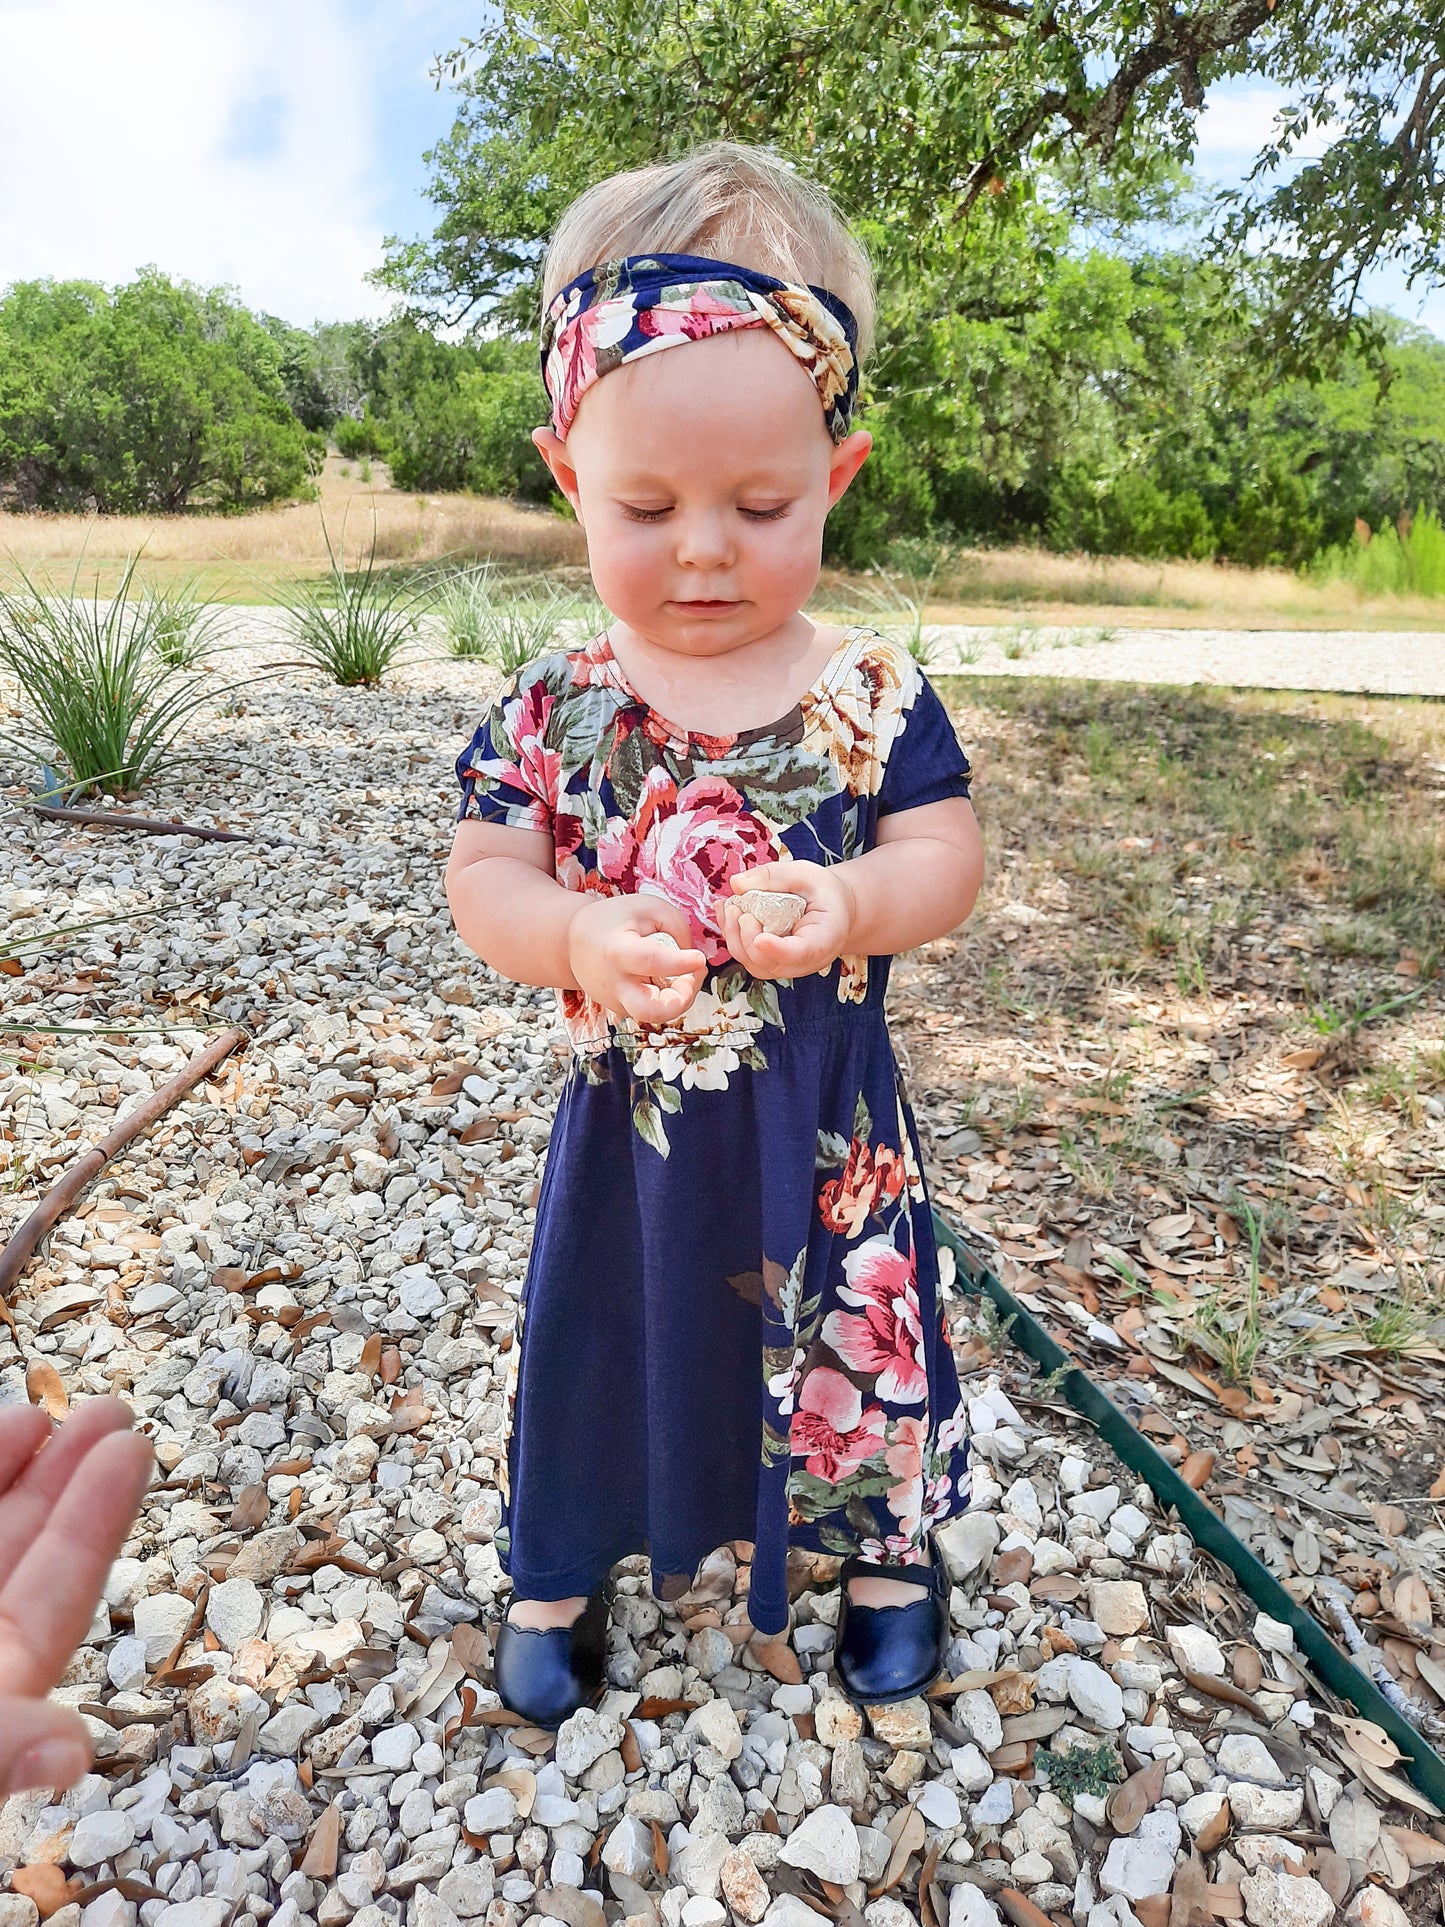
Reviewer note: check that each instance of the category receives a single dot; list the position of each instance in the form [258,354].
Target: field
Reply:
[249,558]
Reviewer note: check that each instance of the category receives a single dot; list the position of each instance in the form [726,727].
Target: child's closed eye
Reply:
[766,515]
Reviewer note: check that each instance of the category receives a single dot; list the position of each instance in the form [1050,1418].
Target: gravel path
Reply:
[304,1281]
[1381,663]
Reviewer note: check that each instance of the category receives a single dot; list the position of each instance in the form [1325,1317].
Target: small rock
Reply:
[234,1612]
[160,1619]
[1265,1809]
[826,1843]
[100,1836]
[1273,1899]
[968,1907]
[938,1803]
[976,1711]
[628,1850]
[836,1719]
[905,1725]
[970,1769]
[716,1721]
[586,1736]
[1097,1697]
[1273,1634]
[1373,1907]
[18,1910]
[967,1543]
[996,1806]
[1196,1651]
[699,1911]
[394,1746]
[1137,1867]
[1119,1606]
[1243,1756]
[788,1911]
[743,1887]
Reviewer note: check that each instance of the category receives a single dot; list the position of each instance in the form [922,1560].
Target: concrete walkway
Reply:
[1374,662]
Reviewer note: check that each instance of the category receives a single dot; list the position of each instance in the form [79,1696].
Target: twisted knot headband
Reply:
[624,309]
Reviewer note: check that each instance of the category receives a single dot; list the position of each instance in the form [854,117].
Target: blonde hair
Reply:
[733,203]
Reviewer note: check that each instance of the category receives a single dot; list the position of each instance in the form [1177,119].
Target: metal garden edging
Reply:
[1424,1765]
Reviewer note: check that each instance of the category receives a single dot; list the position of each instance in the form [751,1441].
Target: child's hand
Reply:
[615,954]
[821,935]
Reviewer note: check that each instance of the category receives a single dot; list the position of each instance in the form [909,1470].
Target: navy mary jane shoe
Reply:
[546,1673]
[890,1653]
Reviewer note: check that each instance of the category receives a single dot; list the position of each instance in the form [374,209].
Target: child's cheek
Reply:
[629,569]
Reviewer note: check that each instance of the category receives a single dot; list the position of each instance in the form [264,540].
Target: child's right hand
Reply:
[614,954]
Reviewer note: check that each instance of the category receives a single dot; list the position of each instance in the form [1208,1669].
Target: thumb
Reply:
[41,1745]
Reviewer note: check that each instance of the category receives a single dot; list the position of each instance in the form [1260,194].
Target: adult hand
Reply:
[614,952]
[821,934]
[67,1500]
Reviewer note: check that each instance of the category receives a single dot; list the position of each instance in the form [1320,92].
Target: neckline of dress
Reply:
[820,686]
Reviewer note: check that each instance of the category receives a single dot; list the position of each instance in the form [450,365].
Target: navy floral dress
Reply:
[730,1326]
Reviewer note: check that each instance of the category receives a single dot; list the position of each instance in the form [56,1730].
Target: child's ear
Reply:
[848,457]
[553,450]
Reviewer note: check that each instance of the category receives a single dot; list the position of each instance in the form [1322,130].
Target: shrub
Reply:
[152,397]
[1409,560]
[1127,514]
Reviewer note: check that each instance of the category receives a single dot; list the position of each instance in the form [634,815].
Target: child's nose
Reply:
[703,542]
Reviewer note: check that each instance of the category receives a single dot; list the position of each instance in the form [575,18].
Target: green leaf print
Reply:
[648,1120]
[794,783]
[581,728]
[862,1122]
[841,1543]
[813,1496]
[627,766]
[753,1058]
[832,1151]
[729,982]
[763,1001]
[776,1445]
[666,1096]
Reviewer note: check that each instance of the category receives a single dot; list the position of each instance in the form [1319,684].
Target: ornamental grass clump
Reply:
[101,706]
[184,630]
[354,626]
[509,624]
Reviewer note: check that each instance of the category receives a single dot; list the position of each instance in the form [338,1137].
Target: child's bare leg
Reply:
[886,1592]
[544,1615]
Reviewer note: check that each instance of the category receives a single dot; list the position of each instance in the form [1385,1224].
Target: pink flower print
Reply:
[538,767]
[580,353]
[695,314]
[686,845]
[885,1336]
[904,1458]
[830,1430]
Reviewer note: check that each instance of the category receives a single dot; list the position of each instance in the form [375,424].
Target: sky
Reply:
[270,145]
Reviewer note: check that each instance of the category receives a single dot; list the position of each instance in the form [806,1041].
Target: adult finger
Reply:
[23,1430]
[49,1599]
[40,1746]
[36,1491]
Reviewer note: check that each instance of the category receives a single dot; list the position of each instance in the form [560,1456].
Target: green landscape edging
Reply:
[1340,1674]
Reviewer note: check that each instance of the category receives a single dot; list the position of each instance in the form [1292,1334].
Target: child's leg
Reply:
[543,1615]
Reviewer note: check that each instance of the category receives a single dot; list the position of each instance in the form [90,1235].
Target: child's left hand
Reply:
[821,935]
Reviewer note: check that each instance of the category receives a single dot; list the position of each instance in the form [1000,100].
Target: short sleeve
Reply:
[925,762]
[508,773]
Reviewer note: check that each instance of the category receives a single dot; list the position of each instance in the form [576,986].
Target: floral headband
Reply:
[614,313]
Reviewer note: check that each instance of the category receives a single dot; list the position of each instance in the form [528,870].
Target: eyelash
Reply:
[753,515]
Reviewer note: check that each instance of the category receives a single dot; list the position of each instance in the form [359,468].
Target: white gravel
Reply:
[303,1280]
[1356,661]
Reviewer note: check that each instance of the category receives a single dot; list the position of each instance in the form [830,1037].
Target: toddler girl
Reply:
[730,1325]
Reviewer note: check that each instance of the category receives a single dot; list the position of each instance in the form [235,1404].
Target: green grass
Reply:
[494,618]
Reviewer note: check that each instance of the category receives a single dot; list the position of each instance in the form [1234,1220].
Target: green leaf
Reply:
[648,1120]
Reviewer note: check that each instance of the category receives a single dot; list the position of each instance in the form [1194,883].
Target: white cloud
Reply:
[224,140]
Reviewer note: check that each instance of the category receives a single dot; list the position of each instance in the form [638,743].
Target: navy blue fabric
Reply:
[707,1351]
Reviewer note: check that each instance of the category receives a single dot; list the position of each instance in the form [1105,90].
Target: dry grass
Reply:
[244,558]
[241,557]
[989,586]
